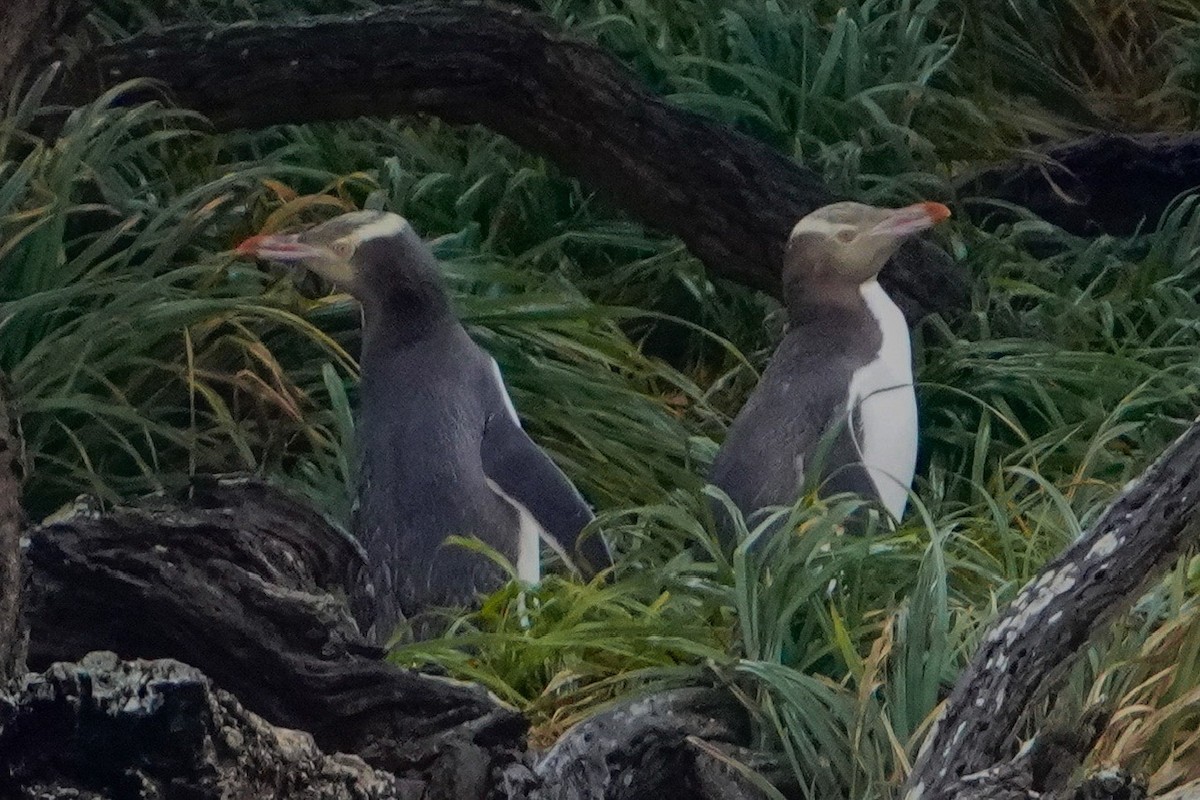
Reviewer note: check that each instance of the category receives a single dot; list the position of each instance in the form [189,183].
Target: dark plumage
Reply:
[441,451]
[836,403]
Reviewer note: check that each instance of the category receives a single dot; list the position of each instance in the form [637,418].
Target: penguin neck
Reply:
[407,300]
[406,313]
[826,302]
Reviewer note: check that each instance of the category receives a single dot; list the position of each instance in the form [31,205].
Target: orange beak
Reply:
[249,248]
[936,211]
[285,247]
[911,219]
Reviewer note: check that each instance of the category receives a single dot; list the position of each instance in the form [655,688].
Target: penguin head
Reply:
[359,251]
[848,243]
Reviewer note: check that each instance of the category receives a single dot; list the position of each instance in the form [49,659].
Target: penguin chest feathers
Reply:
[882,405]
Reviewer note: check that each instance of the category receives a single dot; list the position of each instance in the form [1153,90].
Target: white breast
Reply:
[887,405]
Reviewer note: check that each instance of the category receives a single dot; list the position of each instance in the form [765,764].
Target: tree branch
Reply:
[1033,642]
[1104,184]
[731,199]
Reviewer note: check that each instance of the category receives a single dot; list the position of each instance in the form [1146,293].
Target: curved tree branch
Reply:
[1033,642]
[731,199]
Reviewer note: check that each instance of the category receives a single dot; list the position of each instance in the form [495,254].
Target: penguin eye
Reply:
[846,235]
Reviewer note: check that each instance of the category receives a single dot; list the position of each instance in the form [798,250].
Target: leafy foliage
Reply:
[139,352]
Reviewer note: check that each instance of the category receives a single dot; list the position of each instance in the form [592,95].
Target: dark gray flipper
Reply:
[525,473]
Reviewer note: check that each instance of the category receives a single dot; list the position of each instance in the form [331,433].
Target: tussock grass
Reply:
[140,352]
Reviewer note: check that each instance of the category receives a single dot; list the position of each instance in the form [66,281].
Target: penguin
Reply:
[441,450]
[836,398]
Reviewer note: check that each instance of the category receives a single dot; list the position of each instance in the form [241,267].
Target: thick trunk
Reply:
[731,199]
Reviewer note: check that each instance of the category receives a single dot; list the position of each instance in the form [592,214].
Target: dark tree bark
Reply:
[648,748]
[103,728]
[12,583]
[241,582]
[1036,638]
[731,199]
[1104,184]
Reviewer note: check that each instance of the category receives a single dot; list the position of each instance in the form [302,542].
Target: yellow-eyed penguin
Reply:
[441,450]
[837,395]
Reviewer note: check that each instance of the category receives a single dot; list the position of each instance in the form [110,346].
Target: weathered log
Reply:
[731,199]
[241,581]
[644,749]
[1103,184]
[1117,784]
[104,728]
[1035,639]
[12,583]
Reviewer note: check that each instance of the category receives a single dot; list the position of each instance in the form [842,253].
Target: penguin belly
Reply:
[883,406]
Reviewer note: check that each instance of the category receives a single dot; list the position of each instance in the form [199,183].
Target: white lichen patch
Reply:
[83,507]
[1033,601]
[1104,546]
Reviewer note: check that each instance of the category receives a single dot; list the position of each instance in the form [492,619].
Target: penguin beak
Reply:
[284,247]
[910,219]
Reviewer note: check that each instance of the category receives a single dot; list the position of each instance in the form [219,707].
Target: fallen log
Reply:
[731,199]
[243,583]
[648,746]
